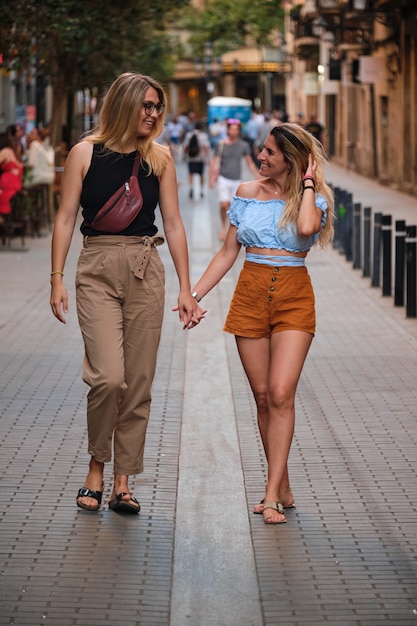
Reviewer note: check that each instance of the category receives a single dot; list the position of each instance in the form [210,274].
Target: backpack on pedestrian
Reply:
[193,146]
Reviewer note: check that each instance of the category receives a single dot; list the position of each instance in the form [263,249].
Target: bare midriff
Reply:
[275,252]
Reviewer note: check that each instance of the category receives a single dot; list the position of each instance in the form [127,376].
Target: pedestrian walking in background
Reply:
[264,129]
[120,276]
[215,133]
[187,119]
[163,138]
[176,134]
[196,151]
[277,218]
[315,128]
[300,119]
[226,168]
[251,134]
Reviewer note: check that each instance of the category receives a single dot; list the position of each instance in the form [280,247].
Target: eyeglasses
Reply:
[151,106]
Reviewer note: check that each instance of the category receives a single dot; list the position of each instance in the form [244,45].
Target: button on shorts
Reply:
[269,299]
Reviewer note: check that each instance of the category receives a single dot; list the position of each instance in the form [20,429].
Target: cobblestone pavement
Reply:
[196,554]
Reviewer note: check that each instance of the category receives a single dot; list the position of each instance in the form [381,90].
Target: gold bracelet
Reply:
[57,272]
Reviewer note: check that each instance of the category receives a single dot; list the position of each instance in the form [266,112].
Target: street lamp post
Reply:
[208,67]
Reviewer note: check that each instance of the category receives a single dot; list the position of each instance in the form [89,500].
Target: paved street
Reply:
[196,555]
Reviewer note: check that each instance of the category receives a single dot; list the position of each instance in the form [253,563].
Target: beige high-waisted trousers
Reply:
[120,289]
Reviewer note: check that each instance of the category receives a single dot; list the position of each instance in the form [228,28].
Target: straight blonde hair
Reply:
[118,116]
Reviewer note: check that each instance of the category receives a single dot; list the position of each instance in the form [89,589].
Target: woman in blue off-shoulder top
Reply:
[277,218]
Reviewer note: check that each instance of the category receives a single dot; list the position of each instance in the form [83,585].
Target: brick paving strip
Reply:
[196,555]
[214,570]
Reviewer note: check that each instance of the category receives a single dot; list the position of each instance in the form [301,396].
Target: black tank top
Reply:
[107,172]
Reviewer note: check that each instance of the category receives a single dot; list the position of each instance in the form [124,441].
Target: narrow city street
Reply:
[196,554]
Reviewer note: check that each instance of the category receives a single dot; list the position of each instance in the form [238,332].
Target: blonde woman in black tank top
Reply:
[120,279]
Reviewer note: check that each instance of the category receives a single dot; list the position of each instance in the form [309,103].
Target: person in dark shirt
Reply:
[226,168]
[120,278]
[315,128]
[196,162]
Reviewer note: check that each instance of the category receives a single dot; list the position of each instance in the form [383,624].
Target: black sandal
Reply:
[84,492]
[118,504]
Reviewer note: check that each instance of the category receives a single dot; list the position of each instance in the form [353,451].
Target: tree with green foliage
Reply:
[75,45]
[231,24]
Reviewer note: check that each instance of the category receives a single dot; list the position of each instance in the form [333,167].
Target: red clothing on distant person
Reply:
[10,184]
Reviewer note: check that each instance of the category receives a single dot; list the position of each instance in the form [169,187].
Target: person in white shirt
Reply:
[176,132]
[41,160]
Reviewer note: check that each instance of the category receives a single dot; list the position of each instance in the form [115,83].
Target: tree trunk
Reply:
[59,96]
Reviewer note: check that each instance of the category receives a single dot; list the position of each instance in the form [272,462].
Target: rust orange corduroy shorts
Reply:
[269,299]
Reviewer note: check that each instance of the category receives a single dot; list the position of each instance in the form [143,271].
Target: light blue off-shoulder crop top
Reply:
[257,223]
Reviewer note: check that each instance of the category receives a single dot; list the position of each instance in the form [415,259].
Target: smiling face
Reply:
[273,163]
[147,121]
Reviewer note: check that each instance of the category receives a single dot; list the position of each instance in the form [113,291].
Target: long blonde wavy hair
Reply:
[118,118]
[296,144]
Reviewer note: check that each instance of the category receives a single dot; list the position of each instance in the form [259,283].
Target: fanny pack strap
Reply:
[136,165]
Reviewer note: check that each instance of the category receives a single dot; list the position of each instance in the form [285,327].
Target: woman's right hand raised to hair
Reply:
[311,167]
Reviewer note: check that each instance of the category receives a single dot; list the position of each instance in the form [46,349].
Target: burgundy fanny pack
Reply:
[122,207]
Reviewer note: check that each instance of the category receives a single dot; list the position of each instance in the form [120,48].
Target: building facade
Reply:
[254,73]
[350,63]
[354,65]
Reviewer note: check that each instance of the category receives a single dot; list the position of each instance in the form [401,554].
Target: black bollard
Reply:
[399,271]
[367,212]
[348,226]
[386,254]
[337,202]
[342,218]
[357,240]
[411,264]
[376,263]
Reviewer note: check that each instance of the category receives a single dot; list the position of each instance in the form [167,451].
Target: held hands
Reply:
[190,312]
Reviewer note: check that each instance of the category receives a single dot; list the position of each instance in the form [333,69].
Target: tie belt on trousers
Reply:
[146,244]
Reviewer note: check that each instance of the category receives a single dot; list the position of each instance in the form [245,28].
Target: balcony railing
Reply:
[350,5]
[328,5]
